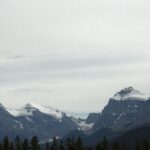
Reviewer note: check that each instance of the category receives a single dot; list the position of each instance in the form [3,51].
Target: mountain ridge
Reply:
[118,115]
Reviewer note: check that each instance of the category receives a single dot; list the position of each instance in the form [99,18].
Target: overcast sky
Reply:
[72,54]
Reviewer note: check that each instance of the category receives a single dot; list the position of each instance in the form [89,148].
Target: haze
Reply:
[72,54]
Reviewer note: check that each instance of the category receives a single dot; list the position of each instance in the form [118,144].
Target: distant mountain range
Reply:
[33,119]
[127,110]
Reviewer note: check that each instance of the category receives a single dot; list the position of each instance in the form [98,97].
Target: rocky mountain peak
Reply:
[125,110]
[128,90]
[131,94]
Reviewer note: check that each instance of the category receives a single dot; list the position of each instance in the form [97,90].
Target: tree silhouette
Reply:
[6,145]
[116,146]
[145,145]
[25,145]
[1,147]
[61,145]
[34,143]
[54,144]
[47,146]
[99,146]
[79,144]
[18,143]
[70,144]
[12,146]
[124,146]
[137,145]
[105,143]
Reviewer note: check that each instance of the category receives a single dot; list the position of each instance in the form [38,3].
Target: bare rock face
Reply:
[127,109]
[34,120]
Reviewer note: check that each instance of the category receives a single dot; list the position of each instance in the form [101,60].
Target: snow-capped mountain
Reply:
[43,121]
[125,110]
[131,94]
[31,107]
[83,124]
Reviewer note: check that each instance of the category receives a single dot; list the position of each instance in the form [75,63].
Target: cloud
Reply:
[31,90]
[82,51]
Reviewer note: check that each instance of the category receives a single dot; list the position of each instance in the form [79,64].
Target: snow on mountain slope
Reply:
[85,126]
[18,112]
[82,124]
[29,108]
[33,119]
[130,93]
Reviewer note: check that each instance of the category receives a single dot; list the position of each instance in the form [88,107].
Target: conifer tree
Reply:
[12,146]
[79,144]
[34,143]
[6,145]
[18,143]
[137,145]
[99,146]
[25,145]
[69,144]
[124,146]
[54,144]
[47,146]
[145,145]
[105,143]
[116,146]
[61,145]
[1,146]
[89,148]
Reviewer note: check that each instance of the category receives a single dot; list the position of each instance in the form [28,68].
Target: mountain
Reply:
[75,134]
[130,94]
[132,136]
[124,111]
[30,108]
[33,119]
[97,136]
[92,117]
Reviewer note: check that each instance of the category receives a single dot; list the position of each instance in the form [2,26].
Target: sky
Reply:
[72,55]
